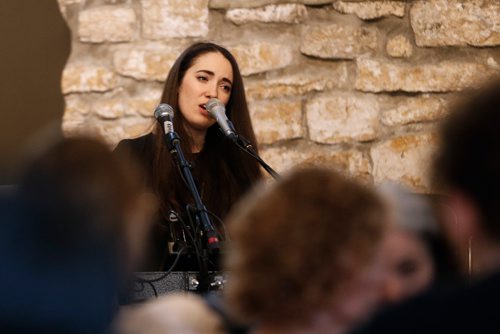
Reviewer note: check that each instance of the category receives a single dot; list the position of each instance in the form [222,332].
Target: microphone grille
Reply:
[163,110]
[213,103]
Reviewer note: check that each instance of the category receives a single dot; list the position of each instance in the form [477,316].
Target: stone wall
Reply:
[357,84]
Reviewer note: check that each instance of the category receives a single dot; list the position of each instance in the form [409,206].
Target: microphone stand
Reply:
[201,215]
[245,145]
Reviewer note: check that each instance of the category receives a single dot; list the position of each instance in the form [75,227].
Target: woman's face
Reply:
[210,76]
[409,264]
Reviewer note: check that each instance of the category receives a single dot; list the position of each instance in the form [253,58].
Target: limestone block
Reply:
[350,162]
[337,41]
[405,159]
[112,131]
[275,120]
[151,62]
[399,47]
[456,22]
[407,110]
[299,82]
[164,19]
[379,75]
[258,57]
[75,115]
[109,107]
[337,118]
[143,103]
[107,24]
[287,13]
[370,10]
[83,77]
[225,4]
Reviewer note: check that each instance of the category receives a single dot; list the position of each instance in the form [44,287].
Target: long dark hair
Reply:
[223,172]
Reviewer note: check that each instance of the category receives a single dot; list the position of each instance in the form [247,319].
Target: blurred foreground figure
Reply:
[467,171]
[170,314]
[70,235]
[35,45]
[305,256]
[416,251]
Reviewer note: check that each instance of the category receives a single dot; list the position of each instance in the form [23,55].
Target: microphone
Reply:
[217,110]
[164,114]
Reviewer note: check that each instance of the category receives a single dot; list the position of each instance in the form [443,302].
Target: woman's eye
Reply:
[226,88]
[202,78]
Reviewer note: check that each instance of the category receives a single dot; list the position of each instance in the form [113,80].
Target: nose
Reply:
[212,91]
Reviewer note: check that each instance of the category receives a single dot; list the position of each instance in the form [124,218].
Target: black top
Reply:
[158,255]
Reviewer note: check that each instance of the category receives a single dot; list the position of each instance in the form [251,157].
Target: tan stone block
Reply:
[275,120]
[379,75]
[151,62]
[225,4]
[337,118]
[370,10]
[75,115]
[399,47]
[456,22]
[143,103]
[107,24]
[414,109]
[115,130]
[299,82]
[164,19]
[287,13]
[405,159]
[261,56]
[286,157]
[109,107]
[335,41]
[87,77]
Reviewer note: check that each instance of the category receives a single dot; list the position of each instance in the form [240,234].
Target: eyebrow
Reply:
[212,74]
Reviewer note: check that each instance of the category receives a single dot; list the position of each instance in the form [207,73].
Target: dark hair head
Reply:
[297,242]
[224,172]
[468,158]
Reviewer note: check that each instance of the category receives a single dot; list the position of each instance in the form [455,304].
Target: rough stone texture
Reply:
[454,22]
[151,62]
[371,9]
[143,102]
[260,57]
[336,118]
[350,162]
[164,19]
[379,75]
[299,83]
[399,47]
[87,77]
[287,13]
[107,24]
[225,4]
[414,110]
[113,131]
[404,159]
[75,115]
[337,40]
[276,120]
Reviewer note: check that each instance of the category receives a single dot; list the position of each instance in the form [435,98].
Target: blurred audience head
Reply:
[415,250]
[75,230]
[35,45]
[169,314]
[467,171]
[304,253]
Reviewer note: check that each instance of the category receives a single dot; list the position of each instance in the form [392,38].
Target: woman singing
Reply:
[222,172]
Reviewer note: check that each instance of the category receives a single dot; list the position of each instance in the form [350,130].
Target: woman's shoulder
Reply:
[141,147]
[135,145]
